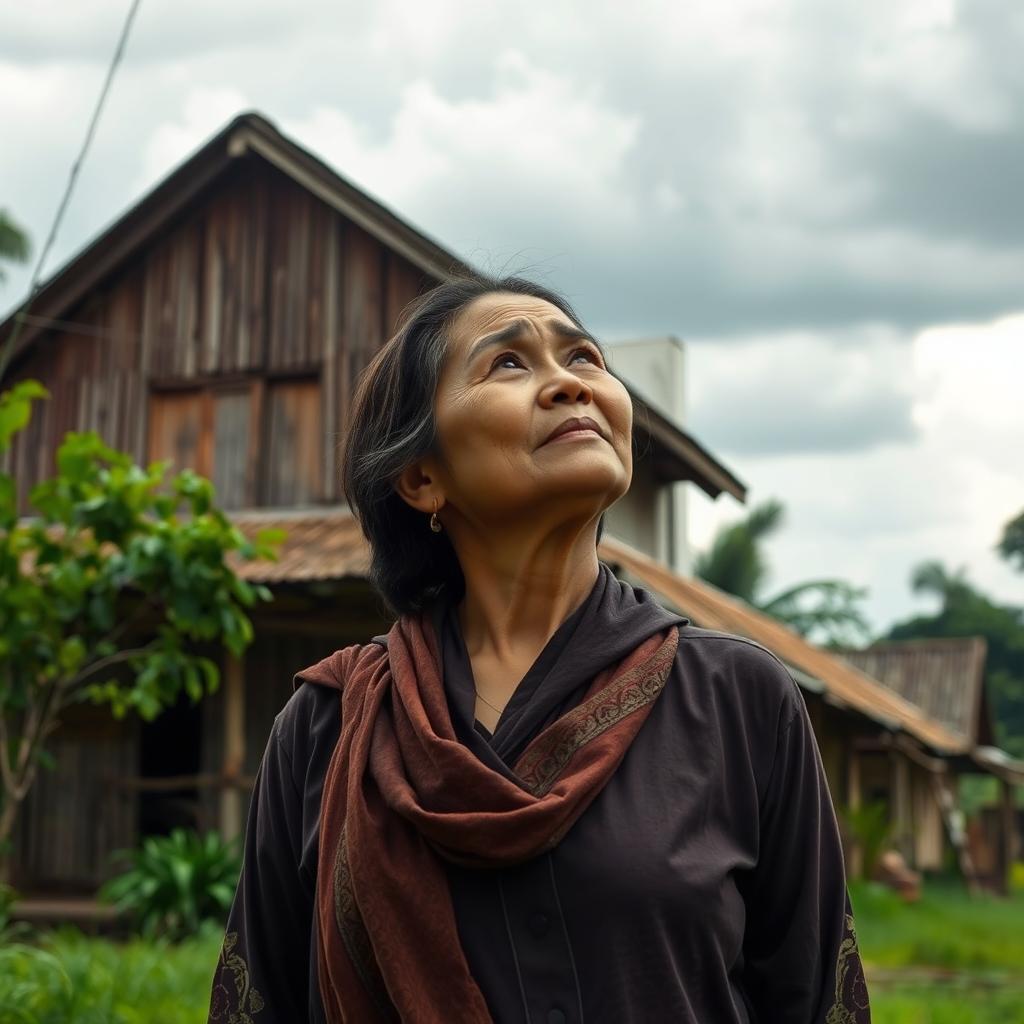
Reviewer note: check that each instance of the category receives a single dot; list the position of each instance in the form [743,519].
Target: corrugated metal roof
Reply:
[322,544]
[942,676]
[328,544]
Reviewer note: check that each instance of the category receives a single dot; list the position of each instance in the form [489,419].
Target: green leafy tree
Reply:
[13,242]
[964,611]
[106,592]
[1011,544]
[735,563]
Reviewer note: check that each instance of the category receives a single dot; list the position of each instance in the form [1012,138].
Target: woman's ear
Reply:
[417,488]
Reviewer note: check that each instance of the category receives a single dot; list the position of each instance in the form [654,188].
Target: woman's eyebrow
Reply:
[517,328]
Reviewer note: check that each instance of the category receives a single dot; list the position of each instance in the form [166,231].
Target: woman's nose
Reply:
[568,388]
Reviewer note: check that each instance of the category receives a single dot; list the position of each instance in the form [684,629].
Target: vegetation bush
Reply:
[69,978]
[66,978]
[10,930]
[175,883]
[868,826]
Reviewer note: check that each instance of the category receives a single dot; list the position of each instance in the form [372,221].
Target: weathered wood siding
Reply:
[250,315]
[74,817]
[229,344]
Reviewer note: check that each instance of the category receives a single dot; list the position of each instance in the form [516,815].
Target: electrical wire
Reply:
[20,315]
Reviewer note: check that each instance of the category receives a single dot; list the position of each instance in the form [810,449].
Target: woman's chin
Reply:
[583,493]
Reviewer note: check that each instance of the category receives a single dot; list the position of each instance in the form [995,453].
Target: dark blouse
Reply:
[705,883]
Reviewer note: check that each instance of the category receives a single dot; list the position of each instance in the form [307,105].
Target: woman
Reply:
[541,797]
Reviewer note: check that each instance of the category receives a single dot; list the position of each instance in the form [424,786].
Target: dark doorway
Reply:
[169,749]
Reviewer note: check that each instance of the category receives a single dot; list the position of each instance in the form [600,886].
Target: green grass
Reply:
[946,928]
[979,941]
[932,1006]
[68,978]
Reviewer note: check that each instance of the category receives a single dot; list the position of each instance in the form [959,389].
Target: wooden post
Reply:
[901,813]
[853,799]
[231,823]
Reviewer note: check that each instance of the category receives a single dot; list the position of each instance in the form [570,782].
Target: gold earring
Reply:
[435,523]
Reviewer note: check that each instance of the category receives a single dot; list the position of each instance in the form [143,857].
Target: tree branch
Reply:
[5,764]
[107,662]
[129,621]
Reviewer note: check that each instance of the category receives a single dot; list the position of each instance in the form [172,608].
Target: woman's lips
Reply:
[579,433]
[577,425]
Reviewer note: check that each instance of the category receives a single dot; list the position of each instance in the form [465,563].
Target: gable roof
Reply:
[249,133]
[943,676]
[681,456]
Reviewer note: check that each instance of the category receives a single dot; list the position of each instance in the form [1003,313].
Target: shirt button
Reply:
[556,1016]
[539,926]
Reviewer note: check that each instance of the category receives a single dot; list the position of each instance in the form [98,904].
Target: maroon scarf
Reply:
[401,791]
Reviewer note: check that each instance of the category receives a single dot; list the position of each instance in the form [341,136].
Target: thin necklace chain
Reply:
[487,702]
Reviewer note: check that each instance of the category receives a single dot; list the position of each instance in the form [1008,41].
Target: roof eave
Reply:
[115,243]
[685,458]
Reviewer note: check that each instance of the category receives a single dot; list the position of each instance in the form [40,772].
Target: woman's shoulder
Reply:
[739,666]
[311,717]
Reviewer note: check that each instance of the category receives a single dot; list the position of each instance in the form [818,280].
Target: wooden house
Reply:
[945,678]
[222,322]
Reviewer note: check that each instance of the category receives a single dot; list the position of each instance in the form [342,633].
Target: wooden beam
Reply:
[231,823]
[853,801]
[888,742]
[946,795]
[901,810]
[172,783]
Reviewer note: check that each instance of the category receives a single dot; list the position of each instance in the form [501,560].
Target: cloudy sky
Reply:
[823,198]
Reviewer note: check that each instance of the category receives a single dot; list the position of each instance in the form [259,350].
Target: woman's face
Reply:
[515,369]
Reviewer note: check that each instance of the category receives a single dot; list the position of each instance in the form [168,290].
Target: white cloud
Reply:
[870,516]
[800,391]
[504,149]
[204,111]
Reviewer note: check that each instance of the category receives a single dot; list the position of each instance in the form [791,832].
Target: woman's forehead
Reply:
[495,310]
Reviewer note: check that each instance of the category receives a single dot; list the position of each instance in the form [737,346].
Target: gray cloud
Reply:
[787,395]
[798,185]
[794,167]
[805,422]
[948,183]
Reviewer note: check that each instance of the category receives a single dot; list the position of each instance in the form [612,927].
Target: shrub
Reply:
[174,883]
[10,930]
[870,829]
[69,978]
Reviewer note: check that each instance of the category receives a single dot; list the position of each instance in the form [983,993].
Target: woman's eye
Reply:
[590,354]
[505,357]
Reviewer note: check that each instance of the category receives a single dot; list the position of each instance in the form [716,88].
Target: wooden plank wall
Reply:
[72,820]
[242,325]
[259,282]
[294,443]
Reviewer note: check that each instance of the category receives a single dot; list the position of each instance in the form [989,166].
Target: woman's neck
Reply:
[517,597]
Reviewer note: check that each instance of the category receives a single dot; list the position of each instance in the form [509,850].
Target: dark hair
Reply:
[391,425]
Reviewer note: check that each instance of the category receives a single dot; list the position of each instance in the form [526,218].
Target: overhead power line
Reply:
[76,167]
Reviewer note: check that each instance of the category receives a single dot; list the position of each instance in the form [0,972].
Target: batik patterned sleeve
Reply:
[262,973]
[802,964]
